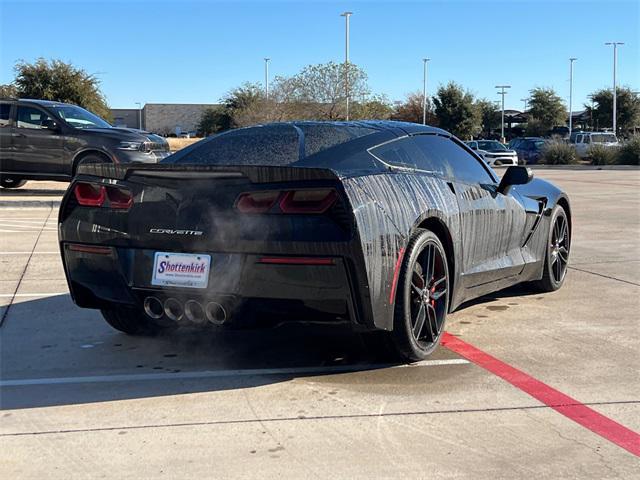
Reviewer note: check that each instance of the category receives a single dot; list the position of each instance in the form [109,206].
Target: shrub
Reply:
[629,153]
[559,153]
[600,155]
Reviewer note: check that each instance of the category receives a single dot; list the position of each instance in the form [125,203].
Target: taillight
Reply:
[297,261]
[119,198]
[308,201]
[257,202]
[95,249]
[90,195]
[291,201]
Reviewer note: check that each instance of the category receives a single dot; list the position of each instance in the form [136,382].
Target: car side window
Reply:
[32,118]
[586,139]
[5,114]
[398,153]
[451,160]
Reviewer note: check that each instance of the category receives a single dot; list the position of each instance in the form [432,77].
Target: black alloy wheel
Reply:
[422,300]
[559,248]
[557,252]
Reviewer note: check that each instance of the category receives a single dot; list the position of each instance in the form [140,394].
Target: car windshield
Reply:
[604,138]
[79,117]
[490,145]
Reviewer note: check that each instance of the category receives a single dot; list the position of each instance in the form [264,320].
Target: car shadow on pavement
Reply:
[519,290]
[51,338]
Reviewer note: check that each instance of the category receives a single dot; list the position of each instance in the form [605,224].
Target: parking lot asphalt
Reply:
[80,400]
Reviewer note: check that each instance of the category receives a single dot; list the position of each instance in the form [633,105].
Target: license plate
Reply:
[190,270]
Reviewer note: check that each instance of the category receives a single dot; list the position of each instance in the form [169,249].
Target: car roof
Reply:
[44,103]
[398,128]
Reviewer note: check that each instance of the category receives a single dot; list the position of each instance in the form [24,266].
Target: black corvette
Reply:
[385,225]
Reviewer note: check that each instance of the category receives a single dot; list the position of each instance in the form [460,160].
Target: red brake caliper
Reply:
[433,302]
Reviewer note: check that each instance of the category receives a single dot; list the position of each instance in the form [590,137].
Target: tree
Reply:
[490,116]
[8,91]
[535,128]
[377,107]
[547,108]
[214,119]
[456,111]
[627,108]
[411,110]
[319,91]
[243,106]
[62,82]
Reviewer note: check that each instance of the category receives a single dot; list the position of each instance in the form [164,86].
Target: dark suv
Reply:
[43,140]
[529,149]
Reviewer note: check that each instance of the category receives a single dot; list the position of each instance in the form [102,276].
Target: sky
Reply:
[196,51]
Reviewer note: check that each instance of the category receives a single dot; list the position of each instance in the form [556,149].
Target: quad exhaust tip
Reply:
[173,309]
[194,312]
[153,307]
[216,313]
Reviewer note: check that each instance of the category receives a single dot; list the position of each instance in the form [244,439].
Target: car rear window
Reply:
[276,144]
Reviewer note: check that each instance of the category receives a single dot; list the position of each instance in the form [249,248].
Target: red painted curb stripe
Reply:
[564,404]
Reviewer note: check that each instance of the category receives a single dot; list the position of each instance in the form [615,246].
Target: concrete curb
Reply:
[584,167]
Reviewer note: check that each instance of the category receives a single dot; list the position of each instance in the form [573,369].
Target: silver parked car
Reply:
[584,142]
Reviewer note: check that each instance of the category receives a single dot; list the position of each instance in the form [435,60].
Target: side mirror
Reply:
[514,176]
[50,125]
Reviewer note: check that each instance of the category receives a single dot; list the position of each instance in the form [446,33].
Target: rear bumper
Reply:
[241,282]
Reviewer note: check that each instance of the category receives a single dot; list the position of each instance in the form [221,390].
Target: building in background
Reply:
[162,118]
[125,117]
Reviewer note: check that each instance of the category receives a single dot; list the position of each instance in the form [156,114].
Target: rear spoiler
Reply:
[256,174]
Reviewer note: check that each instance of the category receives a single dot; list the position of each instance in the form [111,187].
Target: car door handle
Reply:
[19,135]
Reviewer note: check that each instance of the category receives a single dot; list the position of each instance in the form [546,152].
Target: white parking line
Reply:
[29,295]
[222,373]
[27,227]
[29,253]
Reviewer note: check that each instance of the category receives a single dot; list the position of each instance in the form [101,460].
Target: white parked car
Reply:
[494,153]
[584,141]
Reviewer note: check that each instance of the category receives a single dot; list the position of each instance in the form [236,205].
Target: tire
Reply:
[557,250]
[11,182]
[132,321]
[422,298]
[91,158]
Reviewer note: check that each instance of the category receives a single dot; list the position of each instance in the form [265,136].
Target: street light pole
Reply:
[424,92]
[266,78]
[139,115]
[571,60]
[615,93]
[503,93]
[525,100]
[346,16]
